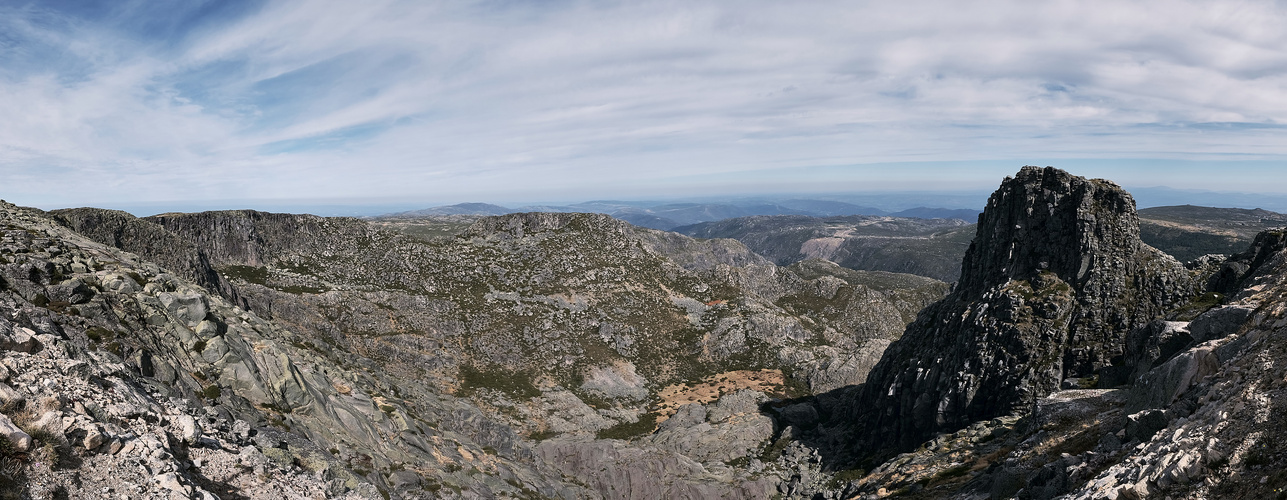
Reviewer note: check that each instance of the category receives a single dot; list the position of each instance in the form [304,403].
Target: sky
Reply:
[207,103]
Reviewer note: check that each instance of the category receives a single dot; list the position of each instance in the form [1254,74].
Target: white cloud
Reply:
[449,99]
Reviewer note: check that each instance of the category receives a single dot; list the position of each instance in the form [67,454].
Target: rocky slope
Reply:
[535,341]
[116,370]
[926,247]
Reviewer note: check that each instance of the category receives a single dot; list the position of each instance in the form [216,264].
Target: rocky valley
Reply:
[1048,351]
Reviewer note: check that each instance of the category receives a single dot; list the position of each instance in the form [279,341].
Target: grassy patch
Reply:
[11,469]
[1198,305]
[301,289]
[845,476]
[774,451]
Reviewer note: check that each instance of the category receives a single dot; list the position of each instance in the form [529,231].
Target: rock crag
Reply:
[1054,280]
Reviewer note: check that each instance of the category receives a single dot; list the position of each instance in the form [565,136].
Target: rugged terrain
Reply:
[926,247]
[1188,232]
[1053,282]
[252,355]
[511,361]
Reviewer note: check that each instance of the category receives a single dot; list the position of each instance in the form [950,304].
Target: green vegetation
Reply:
[841,478]
[98,334]
[774,451]
[1197,306]
[517,384]
[630,430]
[542,435]
[262,276]
[302,289]
[250,274]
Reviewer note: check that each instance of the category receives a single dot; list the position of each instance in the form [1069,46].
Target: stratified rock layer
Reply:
[1054,279]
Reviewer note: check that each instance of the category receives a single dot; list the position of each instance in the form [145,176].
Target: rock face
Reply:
[1054,279]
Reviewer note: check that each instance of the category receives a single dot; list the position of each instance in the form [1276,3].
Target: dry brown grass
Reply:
[714,386]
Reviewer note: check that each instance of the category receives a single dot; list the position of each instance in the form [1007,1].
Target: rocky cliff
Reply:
[1199,418]
[1052,283]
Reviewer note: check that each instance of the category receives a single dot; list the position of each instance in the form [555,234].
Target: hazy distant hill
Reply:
[1188,231]
[669,215]
[825,208]
[458,209]
[965,214]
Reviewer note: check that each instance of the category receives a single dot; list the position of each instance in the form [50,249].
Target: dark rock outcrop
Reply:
[150,240]
[1241,268]
[1054,279]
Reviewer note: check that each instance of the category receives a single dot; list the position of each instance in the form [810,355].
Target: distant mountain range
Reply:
[667,216]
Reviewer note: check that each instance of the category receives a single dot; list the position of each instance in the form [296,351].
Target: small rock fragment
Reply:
[189,431]
[93,438]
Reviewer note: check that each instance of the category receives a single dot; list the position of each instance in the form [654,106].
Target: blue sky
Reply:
[113,103]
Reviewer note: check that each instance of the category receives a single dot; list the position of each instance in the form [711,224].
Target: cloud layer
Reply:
[451,101]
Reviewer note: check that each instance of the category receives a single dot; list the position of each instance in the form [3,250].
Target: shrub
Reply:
[645,425]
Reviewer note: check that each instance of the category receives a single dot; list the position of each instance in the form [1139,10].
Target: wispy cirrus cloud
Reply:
[456,100]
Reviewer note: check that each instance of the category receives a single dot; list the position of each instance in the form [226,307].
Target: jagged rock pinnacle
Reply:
[1055,278]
